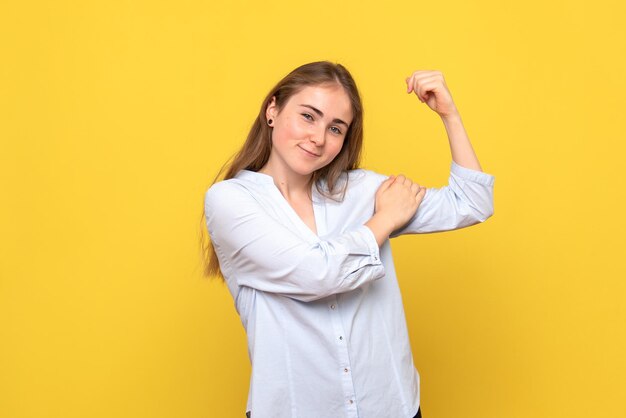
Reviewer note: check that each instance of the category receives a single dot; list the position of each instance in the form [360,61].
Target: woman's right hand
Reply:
[397,200]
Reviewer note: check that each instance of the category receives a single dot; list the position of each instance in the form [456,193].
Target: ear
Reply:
[271,111]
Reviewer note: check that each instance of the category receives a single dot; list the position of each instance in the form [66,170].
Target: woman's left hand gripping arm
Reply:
[430,88]
[468,197]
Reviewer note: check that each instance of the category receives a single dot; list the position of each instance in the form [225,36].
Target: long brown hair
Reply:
[255,152]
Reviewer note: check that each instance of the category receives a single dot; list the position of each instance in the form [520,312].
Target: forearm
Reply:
[460,146]
[381,228]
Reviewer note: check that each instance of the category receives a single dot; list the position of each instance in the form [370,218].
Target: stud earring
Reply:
[269,122]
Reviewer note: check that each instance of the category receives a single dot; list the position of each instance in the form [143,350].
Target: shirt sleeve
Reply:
[257,251]
[465,201]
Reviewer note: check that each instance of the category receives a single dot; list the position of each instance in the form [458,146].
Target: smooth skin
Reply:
[304,141]
[430,87]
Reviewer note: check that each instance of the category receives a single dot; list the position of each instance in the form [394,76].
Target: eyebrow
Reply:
[319,112]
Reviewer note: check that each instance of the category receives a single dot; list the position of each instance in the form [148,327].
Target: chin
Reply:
[305,169]
[306,172]
[317,168]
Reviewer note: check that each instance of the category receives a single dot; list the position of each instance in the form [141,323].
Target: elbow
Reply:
[473,215]
[489,214]
[488,208]
[485,213]
[326,281]
[482,207]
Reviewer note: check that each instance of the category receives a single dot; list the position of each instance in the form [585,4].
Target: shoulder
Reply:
[229,192]
[361,184]
[221,189]
[362,177]
[354,183]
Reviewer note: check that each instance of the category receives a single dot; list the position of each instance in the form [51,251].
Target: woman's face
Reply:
[309,131]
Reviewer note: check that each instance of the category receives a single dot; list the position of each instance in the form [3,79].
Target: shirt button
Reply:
[332,306]
[376,258]
[351,401]
[345,370]
[340,337]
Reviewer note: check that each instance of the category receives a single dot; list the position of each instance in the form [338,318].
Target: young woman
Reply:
[301,236]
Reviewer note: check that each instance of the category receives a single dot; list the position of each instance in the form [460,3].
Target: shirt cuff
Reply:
[372,244]
[472,175]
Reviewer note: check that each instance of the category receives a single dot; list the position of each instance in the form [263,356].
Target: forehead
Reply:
[332,100]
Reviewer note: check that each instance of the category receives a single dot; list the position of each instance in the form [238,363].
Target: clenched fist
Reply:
[430,87]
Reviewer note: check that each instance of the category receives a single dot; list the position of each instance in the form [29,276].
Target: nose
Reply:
[318,136]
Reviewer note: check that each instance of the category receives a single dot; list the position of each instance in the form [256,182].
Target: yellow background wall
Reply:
[116,115]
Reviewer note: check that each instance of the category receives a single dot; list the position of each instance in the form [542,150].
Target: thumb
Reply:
[388,182]
[385,184]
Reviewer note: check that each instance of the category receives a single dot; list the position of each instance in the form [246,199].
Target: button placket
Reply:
[344,366]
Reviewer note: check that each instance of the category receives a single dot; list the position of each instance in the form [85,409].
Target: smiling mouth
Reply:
[308,152]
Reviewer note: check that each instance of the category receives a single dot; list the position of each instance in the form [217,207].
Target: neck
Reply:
[291,185]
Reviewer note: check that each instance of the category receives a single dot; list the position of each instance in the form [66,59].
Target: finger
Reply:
[411,83]
[408,182]
[420,77]
[423,79]
[422,74]
[415,188]
[420,195]
[389,181]
[415,80]
[385,184]
[422,90]
[416,85]
[426,89]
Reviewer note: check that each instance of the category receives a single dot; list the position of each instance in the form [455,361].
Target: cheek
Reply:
[336,148]
[287,130]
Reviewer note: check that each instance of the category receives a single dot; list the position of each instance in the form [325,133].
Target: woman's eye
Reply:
[335,129]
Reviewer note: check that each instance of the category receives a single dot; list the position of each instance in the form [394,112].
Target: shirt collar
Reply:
[255,176]
[266,179]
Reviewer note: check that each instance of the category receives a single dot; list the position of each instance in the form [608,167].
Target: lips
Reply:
[311,153]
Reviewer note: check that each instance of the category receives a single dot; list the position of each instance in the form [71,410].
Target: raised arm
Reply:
[468,197]
[430,88]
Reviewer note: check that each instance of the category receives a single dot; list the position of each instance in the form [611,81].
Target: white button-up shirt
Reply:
[323,314]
